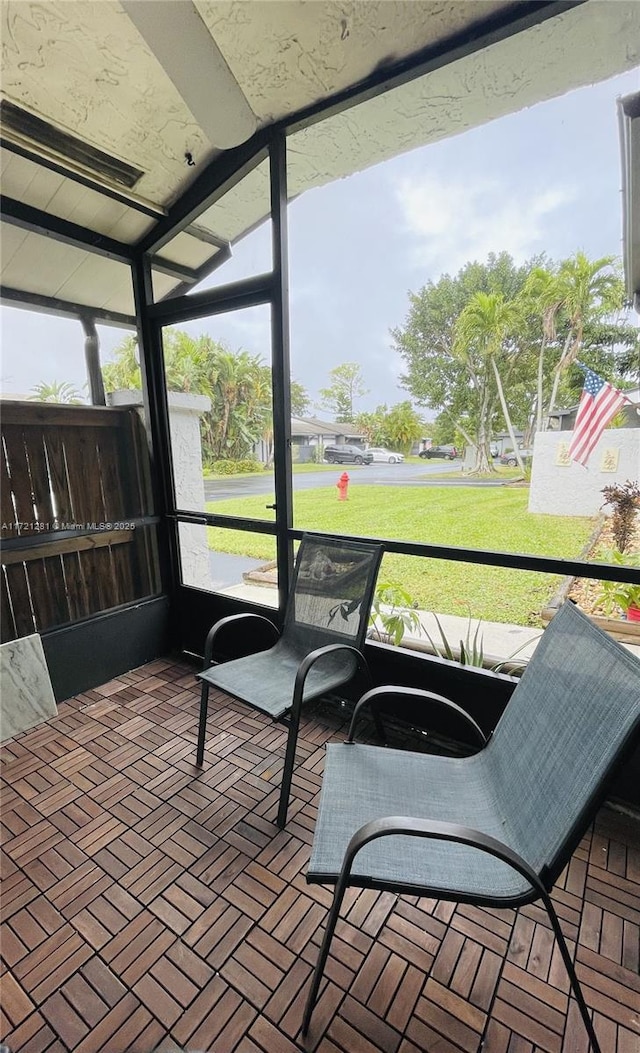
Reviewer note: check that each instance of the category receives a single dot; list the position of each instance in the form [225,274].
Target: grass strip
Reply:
[489,519]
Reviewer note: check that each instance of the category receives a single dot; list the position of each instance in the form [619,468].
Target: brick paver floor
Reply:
[150,905]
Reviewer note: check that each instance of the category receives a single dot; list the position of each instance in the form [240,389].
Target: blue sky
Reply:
[545,179]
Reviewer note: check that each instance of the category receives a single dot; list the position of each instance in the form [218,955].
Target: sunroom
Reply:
[151,904]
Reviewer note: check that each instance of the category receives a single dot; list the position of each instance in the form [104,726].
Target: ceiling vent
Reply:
[23,128]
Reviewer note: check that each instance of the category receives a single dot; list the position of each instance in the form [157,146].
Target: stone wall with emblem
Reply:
[561,487]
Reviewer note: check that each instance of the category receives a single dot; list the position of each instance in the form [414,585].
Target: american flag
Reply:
[598,403]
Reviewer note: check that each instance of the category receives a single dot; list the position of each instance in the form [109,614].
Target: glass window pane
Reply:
[443,604]
[398,251]
[233,562]
[219,391]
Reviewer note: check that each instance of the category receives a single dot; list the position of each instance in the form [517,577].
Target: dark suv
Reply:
[440,451]
[344,454]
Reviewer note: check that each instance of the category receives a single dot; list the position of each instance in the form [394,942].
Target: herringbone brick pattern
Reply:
[149,905]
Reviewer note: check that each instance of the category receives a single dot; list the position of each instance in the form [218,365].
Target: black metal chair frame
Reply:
[291,717]
[408,826]
[541,883]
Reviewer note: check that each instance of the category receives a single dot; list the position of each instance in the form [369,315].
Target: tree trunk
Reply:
[483,461]
[539,407]
[507,417]
[556,378]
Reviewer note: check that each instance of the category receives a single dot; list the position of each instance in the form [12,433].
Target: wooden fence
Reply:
[75,492]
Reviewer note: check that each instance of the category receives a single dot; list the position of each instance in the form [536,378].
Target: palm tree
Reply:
[542,294]
[485,324]
[57,391]
[124,372]
[588,289]
[402,426]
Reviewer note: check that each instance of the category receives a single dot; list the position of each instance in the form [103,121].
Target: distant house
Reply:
[503,440]
[565,419]
[309,433]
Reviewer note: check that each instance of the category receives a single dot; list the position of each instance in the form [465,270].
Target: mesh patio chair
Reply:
[320,647]
[498,827]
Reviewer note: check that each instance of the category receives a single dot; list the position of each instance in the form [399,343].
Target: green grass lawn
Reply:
[495,518]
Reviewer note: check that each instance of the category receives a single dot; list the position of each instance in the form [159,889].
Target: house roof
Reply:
[312,427]
[103,138]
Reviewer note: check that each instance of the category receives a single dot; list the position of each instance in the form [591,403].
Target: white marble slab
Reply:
[26,694]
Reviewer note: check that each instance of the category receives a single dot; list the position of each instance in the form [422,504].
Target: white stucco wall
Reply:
[571,490]
[184,425]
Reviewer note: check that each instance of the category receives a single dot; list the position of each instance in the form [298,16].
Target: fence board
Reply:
[20,480]
[8,513]
[7,624]
[122,573]
[57,587]
[20,600]
[61,415]
[47,548]
[73,468]
[44,611]
[39,475]
[58,475]
[84,479]
[115,478]
[76,588]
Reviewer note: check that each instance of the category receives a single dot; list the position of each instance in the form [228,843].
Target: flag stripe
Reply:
[598,403]
[595,419]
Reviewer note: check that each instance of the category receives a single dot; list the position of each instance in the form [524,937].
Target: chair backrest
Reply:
[561,738]
[331,591]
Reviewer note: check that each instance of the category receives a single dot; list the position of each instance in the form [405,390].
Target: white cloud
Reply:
[453,221]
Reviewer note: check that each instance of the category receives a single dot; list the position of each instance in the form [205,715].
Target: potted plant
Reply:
[624,595]
[393,614]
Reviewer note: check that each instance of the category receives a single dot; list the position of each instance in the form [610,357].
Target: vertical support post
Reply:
[280,343]
[92,360]
[156,419]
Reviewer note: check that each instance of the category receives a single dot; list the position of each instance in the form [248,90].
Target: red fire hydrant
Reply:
[343,487]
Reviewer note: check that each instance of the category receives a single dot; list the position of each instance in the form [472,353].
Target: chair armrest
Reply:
[222,623]
[312,657]
[439,701]
[410,826]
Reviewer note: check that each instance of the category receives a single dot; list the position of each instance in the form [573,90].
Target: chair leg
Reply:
[379,726]
[571,972]
[332,919]
[202,725]
[289,762]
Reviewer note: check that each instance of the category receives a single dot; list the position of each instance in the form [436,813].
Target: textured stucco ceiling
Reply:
[83,66]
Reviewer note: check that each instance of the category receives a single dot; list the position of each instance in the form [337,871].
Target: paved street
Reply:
[424,474]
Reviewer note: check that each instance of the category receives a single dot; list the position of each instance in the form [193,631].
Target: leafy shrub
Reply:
[470,650]
[394,608]
[625,501]
[233,467]
[619,594]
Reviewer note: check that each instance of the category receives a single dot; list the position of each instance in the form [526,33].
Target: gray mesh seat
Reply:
[498,827]
[320,647]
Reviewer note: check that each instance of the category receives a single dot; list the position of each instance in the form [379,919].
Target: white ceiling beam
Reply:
[178,38]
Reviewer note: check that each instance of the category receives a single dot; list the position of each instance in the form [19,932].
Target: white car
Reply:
[379,453]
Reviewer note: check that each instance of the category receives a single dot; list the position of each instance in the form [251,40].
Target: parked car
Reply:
[510,459]
[440,451]
[380,453]
[342,453]
[493,449]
